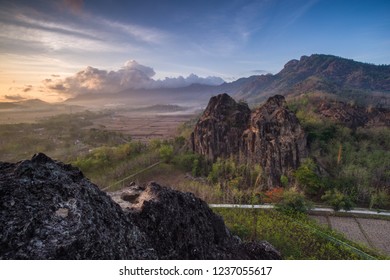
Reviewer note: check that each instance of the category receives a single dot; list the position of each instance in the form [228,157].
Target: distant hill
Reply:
[161,108]
[328,74]
[25,104]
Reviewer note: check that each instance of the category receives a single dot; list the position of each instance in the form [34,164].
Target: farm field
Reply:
[370,232]
[143,126]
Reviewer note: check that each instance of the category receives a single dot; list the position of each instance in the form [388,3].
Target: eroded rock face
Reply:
[182,226]
[275,139]
[270,135]
[48,210]
[219,130]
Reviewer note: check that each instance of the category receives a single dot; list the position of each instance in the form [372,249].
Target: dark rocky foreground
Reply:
[270,135]
[49,210]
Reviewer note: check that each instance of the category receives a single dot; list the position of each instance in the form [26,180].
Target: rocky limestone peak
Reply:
[270,136]
[275,139]
[49,210]
[275,102]
[219,129]
[223,105]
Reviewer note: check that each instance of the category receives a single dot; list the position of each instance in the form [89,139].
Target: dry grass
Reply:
[143,127]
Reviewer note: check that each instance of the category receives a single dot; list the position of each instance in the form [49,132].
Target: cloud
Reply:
[28,27]
[140,33]
[260,72]
[131,76]
[74,6]
[16,97]
[28,88]
[191,79]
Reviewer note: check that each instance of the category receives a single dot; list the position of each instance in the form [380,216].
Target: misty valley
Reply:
[291,144]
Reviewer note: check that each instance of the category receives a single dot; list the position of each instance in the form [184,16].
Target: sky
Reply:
[54,50]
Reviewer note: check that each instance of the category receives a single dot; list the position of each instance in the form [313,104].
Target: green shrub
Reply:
[380,200]
[337,200]
[190,162]
[229,172]
[293,201]
[166,153]
[284,181]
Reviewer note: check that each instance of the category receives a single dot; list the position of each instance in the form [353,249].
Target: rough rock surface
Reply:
[181,226]
[270,135]
[48,210]
[275,139]
[354,116]
[218,132]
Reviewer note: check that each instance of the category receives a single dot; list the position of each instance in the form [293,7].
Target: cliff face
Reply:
[274,139]
[48,210]
[270,136]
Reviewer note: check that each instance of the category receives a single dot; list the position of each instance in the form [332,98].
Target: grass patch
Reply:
[295,236]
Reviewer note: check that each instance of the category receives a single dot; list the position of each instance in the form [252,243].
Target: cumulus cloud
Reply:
[191,79]
[131,76]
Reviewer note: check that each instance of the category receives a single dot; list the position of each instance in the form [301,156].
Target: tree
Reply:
[166,153]
[307,178]
[338,200]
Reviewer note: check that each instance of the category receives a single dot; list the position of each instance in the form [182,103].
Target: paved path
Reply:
[374,233]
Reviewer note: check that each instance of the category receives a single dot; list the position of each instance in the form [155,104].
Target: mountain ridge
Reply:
[343,78]
[327,74]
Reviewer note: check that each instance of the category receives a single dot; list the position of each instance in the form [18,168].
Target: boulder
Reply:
[181,226]
[48,210]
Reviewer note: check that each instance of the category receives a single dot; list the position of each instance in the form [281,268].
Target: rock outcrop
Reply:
[181,226]
[270,136]
[218,132]
[48,210]
[354,116]
[275,139]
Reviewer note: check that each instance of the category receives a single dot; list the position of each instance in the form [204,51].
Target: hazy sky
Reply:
[47,46]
